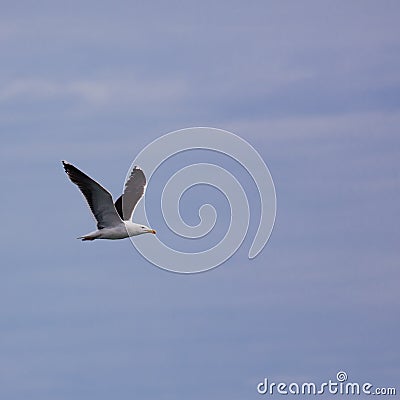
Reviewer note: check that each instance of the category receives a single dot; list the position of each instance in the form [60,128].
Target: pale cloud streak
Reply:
[101,92]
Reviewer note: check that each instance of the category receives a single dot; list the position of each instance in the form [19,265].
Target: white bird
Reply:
[113,219]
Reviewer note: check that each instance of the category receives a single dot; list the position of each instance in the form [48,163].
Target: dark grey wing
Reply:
[133,192]
[98,198]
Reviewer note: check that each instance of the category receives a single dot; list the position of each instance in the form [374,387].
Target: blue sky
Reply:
[314,86]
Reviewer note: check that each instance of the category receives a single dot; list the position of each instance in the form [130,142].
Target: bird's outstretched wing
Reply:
[98,198]
[133,192]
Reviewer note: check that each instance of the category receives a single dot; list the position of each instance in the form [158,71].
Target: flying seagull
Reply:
[113,219]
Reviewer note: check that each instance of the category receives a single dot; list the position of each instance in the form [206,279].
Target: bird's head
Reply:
[146,229]
[137,229]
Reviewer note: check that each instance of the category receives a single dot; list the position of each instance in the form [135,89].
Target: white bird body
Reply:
[113,219]
[127,229]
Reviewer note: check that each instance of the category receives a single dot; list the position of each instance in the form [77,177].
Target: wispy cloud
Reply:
[101,92]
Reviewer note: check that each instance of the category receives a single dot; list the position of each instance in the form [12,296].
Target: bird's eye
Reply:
[142,227]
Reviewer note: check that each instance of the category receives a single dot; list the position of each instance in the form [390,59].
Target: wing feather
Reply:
[133,192]
[99,199]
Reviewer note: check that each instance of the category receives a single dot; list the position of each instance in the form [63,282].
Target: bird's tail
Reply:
[89,236]
[83,238]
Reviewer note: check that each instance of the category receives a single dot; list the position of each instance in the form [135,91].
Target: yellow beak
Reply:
[152,231]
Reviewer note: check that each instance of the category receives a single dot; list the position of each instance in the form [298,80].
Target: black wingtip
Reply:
[68,167]
[65,165]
